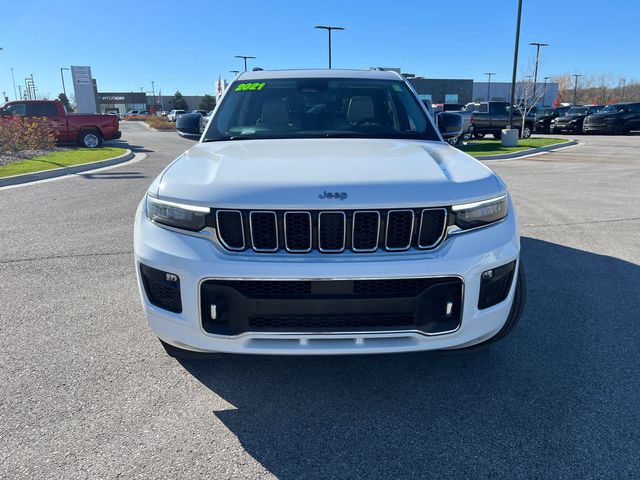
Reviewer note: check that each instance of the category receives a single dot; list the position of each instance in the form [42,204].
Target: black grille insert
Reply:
[230,229]
[366,231]
[399,229]
[432,225]
[264,231]
[332,230]
[297,227]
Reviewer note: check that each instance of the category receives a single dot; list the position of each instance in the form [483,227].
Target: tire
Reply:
[497,135]
[90,139]
[517,307]
[479,136]
[453,141]
[527,131]
[181,354]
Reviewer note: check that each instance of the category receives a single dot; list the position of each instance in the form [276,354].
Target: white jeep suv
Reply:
[321,212]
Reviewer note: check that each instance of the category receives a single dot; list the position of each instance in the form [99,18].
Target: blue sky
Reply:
[186,44]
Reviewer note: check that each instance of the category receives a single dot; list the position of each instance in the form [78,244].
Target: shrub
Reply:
[18,133]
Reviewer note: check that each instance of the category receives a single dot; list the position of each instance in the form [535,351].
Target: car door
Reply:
[499,116]
[47,113]
[633,122]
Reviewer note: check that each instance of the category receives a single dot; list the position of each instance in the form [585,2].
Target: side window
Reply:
[42,110]
[635,108]
[19,109]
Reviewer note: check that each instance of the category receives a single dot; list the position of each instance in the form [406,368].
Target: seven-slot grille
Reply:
[331,231]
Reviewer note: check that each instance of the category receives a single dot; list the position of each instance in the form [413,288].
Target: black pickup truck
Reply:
[493,117]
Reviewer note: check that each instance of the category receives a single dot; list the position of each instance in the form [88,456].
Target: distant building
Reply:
[443,90]
[438,90]
[501,92]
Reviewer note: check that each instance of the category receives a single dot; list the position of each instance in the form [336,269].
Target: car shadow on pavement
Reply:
[556,399]
[125,144]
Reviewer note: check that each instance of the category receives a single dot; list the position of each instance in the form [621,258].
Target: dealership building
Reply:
[121,102]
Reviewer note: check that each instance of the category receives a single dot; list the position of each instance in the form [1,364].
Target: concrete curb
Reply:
[60,172]
[527,153]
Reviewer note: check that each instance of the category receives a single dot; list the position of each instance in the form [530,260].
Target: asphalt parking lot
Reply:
[88,392]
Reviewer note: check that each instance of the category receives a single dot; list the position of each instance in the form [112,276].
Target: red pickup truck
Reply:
[87,130]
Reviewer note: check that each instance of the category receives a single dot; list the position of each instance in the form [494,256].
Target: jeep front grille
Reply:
[331,231]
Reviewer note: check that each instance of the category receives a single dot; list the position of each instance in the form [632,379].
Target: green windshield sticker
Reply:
[396,87]
[250,86]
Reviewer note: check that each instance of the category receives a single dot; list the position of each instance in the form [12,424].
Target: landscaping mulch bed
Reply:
[7,158]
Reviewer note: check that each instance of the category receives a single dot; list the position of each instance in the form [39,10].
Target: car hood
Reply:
[568,118]
[373,173]
[604,115]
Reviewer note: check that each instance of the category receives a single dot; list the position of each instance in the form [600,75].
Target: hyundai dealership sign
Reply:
[83,89]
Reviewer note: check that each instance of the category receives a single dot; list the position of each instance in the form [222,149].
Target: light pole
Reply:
[64,90]
[153,92]
[329,29]
[244,57]
[623,81]
[13,79]
[515,62]
[535,74]
[544,92]
[489,74]
[575,88]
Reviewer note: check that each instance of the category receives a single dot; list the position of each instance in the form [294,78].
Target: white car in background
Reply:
[321,212]
[173,114]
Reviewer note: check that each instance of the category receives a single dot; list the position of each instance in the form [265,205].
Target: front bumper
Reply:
[195,260]
[599,128]
[565,127]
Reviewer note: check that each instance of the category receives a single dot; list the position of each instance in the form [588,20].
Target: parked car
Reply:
[618,118]
[572,121]
[544,116]
[87,130]
[493,117]
[343,229]
[173,114]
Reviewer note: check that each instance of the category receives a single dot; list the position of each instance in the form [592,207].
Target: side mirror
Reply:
[449,124]
[188,125]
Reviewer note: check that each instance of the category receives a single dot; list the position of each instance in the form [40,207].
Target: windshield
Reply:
[613,108]
[544,112]
[320,108]
[578,111]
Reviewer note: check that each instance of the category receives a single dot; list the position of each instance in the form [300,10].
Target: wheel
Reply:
[478,135]
[497,135]
[90,139]
[453,141]
[466,136]
[526,132]
[517,307]
[181,354]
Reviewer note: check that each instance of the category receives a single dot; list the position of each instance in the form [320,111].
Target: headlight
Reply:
[478,214]
[177,215]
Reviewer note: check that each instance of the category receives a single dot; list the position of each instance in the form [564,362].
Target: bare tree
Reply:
[527,97]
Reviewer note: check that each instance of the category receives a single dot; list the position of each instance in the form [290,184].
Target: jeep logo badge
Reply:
[333,195]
